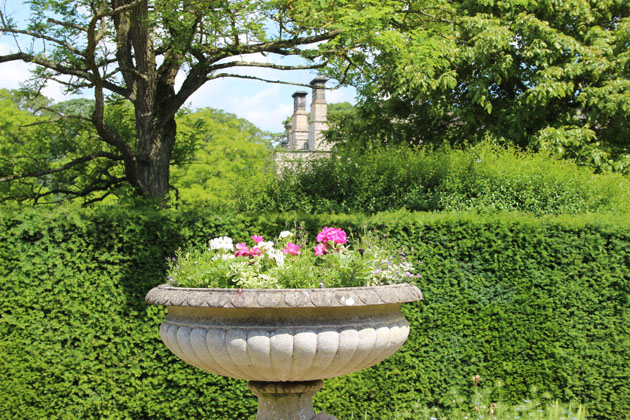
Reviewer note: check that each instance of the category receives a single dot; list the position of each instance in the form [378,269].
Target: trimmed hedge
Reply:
[526,300]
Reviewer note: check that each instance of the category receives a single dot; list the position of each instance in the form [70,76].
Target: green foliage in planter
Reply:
[532,301]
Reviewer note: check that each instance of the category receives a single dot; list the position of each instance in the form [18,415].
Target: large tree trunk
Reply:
[155,147]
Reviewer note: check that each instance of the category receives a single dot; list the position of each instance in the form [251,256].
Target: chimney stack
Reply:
[299,137]
[289,133]
[318,115]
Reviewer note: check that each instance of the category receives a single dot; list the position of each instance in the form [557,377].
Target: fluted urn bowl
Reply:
[284,335]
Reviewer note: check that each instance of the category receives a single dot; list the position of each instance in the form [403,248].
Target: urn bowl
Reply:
[284,335]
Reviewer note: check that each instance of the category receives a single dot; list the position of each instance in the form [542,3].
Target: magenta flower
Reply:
[323,235]
[258,239]
[320,249]
[292,249]
[241,250]
[339,237]
[335,235]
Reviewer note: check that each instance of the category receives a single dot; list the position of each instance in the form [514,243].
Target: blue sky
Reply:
[264,104]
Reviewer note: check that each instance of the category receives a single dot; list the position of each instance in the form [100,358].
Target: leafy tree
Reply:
[136,48]
[48,155]
[541,74]
[216,154]
[230,154]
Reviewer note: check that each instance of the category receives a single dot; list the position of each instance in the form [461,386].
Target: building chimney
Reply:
[299,121]
[289,133]
[318,115]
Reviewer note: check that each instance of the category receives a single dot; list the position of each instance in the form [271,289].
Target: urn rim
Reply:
[167,295]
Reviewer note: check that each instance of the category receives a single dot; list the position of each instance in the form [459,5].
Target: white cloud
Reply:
[15,72]
[345,94]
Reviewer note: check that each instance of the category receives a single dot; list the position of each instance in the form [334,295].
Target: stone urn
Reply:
[284,342]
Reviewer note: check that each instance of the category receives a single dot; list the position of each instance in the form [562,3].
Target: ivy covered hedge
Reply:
[530,301]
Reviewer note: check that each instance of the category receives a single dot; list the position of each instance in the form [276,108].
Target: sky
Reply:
[264,104]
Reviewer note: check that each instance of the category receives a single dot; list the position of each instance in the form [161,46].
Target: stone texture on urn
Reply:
[284,335]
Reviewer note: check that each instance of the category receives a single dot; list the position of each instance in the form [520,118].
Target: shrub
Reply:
[535,301]
[483,178]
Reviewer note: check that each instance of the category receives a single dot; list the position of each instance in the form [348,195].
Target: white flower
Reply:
[278,256]
[284,234]
[223,242]
[265,246]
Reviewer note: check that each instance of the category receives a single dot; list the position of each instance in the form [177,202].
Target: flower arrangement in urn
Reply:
[286,314]
[290,262]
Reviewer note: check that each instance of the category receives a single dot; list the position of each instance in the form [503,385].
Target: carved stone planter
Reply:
[284,342]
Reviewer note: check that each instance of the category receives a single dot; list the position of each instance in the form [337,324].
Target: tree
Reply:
[231,155]
[544,75]
[49,151]
[135,49]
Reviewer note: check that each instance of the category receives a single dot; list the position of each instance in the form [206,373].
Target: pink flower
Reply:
[258,239]
[339,237]
[292,249]
[322,236]
[320,249]
[336,235]
[241,250]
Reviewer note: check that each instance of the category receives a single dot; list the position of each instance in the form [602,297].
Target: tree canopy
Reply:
[231,154]
[541,74]
[217,154]
[135,49]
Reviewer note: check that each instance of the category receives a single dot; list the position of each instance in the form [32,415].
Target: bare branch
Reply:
[241,76]
[44,37]
[266,65]
[54,120]
[65,167]
[68,24]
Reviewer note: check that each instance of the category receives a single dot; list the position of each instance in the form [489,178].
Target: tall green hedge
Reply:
[526,300]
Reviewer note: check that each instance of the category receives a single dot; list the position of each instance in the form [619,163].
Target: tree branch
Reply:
[68,24]
[109,135]
[97,186]
[44,37]
[60,118]
[118,10]
[266,65]
[271,46]
[242,76]
[41,61]
[65,167]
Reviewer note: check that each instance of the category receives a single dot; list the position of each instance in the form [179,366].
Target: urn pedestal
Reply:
[284,341]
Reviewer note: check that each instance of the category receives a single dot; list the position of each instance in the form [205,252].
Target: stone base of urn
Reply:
[287,400]
[284,342]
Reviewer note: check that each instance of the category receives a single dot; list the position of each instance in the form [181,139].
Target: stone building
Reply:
[302,134]
[305,140]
